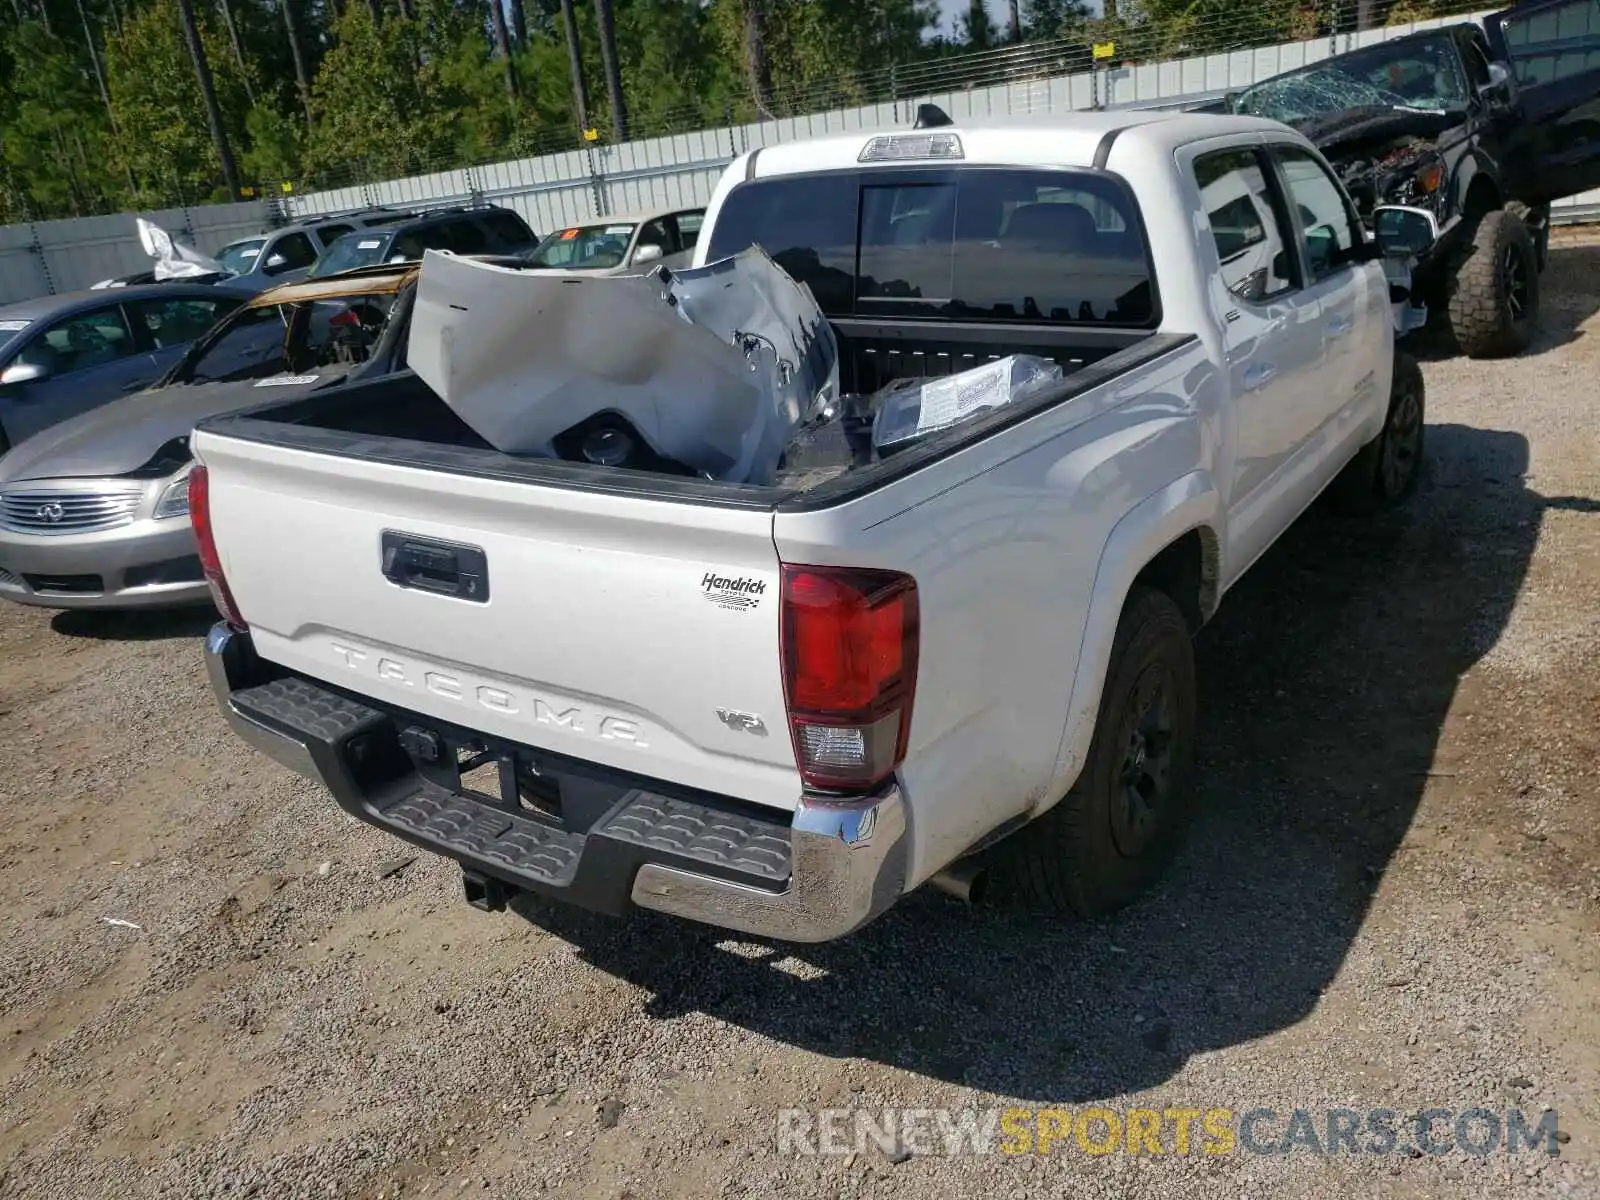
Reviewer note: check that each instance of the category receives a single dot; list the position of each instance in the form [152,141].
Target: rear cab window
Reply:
[1056,246]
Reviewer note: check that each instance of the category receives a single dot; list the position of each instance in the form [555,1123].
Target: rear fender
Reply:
[1187,504]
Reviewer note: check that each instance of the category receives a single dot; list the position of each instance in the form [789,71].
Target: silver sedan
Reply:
[100,543]
[94,511]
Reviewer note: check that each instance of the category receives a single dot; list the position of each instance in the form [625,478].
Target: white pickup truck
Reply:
[779,708]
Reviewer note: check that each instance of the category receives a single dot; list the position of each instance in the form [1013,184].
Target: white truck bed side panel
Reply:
[600,639]
[1004,541]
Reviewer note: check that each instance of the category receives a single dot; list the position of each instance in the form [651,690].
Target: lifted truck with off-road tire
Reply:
[1480,128]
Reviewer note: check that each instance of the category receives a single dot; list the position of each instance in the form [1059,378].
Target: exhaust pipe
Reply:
[965,880]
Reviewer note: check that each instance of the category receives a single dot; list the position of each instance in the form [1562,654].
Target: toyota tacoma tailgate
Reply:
[580,622]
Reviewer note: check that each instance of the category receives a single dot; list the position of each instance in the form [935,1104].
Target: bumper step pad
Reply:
[595,869]
[461,826]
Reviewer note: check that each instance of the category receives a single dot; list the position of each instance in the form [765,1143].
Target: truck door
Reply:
[1272,329]
[1552,48]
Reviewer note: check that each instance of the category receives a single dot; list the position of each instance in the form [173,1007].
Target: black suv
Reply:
[484,229]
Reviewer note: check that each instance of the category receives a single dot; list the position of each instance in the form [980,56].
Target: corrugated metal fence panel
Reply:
[81,252]
[416,191]
[21,269]
[678,188]
[554,190]
[332,200]
[527,186]
[215,225]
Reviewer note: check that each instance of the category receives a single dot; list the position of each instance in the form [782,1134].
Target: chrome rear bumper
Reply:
[814,875]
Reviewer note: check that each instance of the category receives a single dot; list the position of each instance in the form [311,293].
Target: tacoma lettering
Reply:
[569,717]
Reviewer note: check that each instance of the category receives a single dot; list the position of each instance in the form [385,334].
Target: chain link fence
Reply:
[1208,27]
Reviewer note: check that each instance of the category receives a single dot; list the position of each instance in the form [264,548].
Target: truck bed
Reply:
[400,421]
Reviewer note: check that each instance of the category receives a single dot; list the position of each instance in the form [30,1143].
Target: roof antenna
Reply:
[931,116]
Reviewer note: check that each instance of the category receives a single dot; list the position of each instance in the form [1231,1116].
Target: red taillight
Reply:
[210,563]
[849,672]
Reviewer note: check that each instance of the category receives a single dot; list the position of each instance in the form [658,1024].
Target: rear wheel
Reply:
[1494,288]
[1112,834]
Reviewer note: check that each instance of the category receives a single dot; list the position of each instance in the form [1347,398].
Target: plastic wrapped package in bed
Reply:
[911,409]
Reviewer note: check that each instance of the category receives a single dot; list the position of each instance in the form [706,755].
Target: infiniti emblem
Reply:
[51,512]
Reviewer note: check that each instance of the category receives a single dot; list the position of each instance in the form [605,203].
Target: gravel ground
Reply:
[1391,900]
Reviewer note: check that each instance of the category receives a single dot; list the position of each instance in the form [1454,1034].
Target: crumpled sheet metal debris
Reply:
[174,260]
[714,367]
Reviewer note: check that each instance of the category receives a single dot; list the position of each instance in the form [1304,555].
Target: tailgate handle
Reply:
[429,565]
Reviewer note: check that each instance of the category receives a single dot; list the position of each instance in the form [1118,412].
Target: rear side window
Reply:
[176,322]
[288,253]
[430,237]
[90,339]
[1063,247]
[1554,42]
[509,229]
[689,227]
[466,237]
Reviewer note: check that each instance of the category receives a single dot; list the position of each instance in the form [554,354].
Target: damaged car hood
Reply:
[1328,131]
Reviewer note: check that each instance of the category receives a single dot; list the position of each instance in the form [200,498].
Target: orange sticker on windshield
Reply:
[568,234]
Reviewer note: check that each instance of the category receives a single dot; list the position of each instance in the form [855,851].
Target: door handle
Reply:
[1259,376]
[1339,326]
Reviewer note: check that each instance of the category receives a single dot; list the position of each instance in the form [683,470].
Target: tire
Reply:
[1385,472]
[1540,218]
[1085,856]
[1493,303]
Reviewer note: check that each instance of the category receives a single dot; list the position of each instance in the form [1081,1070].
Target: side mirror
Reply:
[1404,232]
[18,373]
[648,252]
[1499,80]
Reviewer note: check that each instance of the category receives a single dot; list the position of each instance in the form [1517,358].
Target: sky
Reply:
[949,8]
[999,12]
